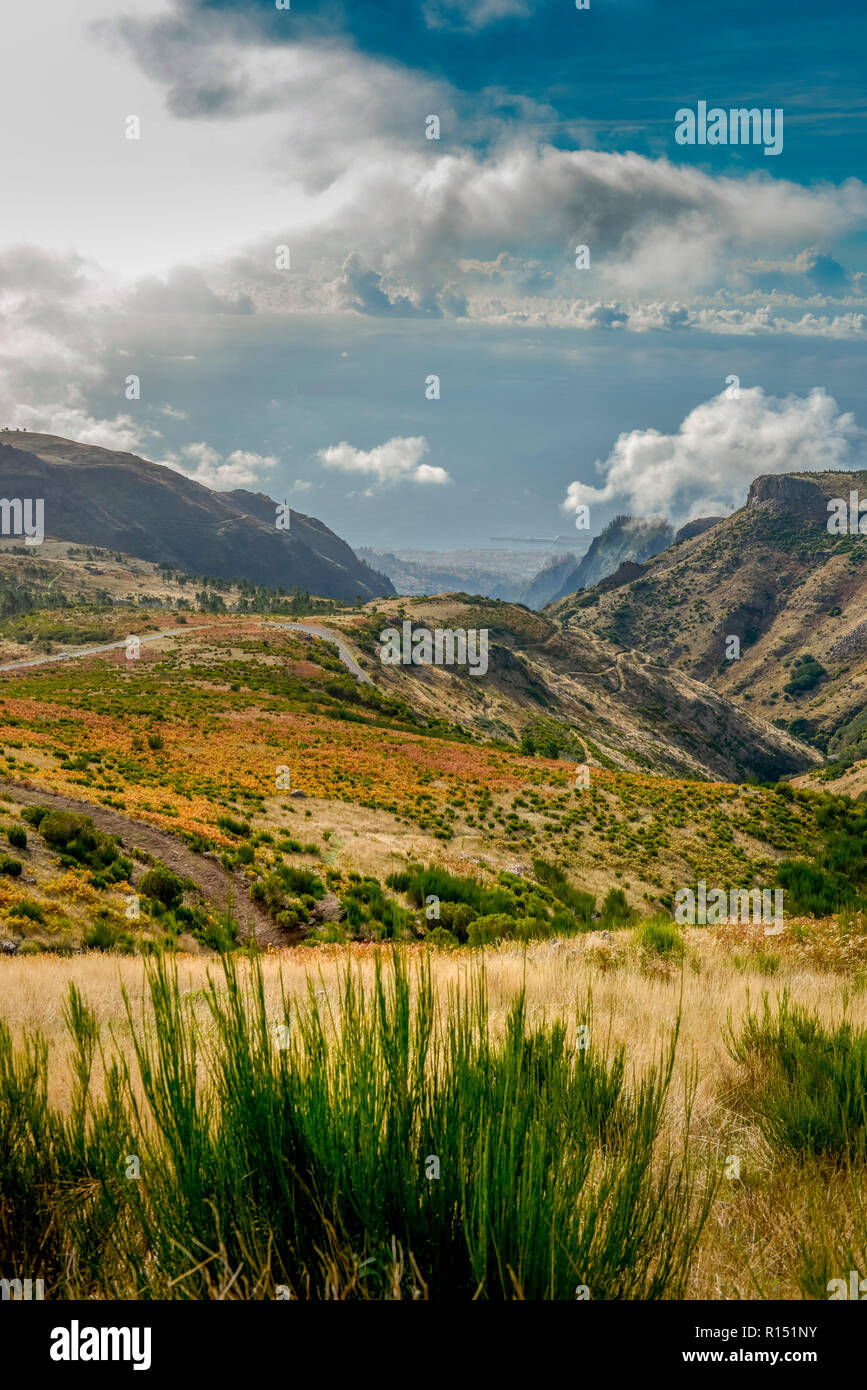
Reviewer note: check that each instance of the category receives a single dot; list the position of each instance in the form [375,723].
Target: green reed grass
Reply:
[307,1165]
[804,1082]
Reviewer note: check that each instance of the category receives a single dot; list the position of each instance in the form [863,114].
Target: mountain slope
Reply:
[102,497]
[551,581]
[771,575]
[580,691]
[625,538]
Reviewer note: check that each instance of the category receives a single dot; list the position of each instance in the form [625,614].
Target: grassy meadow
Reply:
[610,1117]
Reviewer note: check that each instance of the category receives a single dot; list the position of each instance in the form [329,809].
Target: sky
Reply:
[399,334]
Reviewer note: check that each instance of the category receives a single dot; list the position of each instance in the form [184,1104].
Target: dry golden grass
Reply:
[633,1003]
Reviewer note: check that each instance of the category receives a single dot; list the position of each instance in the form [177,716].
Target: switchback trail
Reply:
[208,874]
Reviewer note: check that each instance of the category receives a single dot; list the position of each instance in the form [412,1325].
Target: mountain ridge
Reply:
[119,500]
[771,576]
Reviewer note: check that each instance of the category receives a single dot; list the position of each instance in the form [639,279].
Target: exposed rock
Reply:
[785,491]
[852,643]
[624,574]
[327,909]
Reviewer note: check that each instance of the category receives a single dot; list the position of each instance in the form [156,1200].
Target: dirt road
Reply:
[326,633]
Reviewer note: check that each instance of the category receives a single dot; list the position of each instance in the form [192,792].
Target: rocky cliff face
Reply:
[788,492]
[766,606]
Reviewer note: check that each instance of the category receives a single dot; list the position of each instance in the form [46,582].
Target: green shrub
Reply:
[10,866]
[162,885]
[302,881]
[807,674]
[806,1081]
[17,836]
[660,937]
[532,910]
[369,912]
[78,840]
[615,909]
[220,935]
[290,846]
[811,890]
[487,929]
[318,1150]
[241,829]
[582,904]
[34,815]
[60,828]
[441,936]
[27,908]
[105,935]
[436,882]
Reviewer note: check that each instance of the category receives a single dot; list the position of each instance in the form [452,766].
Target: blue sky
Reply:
[618,69]
[602,386]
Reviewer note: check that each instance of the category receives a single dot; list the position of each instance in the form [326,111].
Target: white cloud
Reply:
[121,433]
[205,465]
[707,466]
[183,290]
[398,460]
[462,234]
[427,473]
[380,217]
[380,221]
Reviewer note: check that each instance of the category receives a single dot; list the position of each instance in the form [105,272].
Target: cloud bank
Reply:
[706,467]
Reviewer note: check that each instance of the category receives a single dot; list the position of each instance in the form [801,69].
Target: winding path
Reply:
[326,633]
[205,870]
